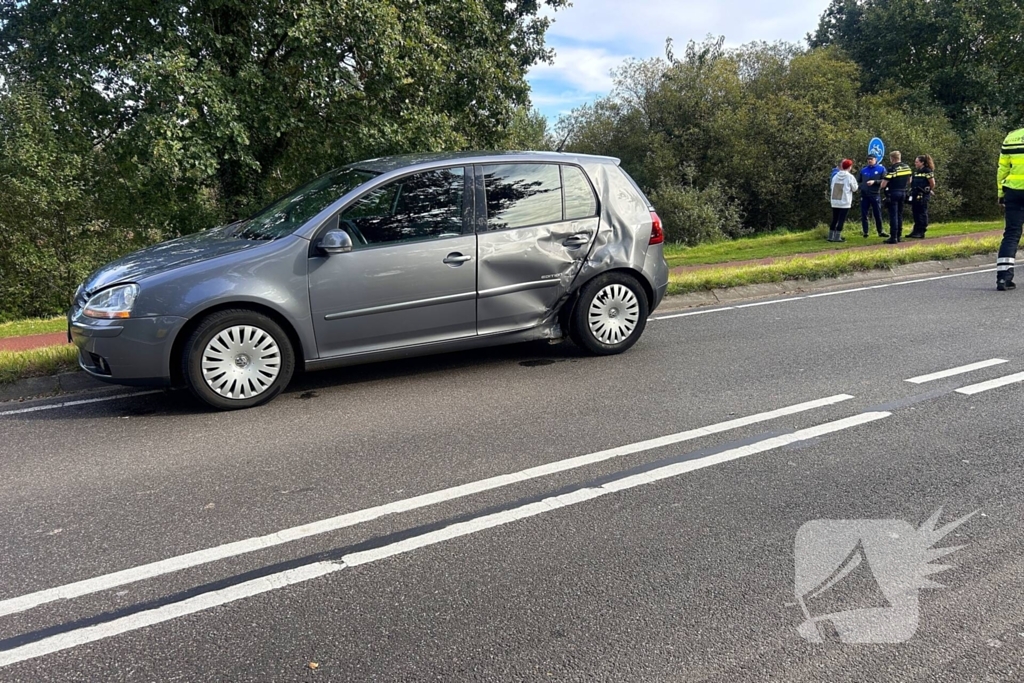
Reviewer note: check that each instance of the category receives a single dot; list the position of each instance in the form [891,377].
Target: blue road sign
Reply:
[876,148]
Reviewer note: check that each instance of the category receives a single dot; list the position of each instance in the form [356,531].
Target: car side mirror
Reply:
[335,242]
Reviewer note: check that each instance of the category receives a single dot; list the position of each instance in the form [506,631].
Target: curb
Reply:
[45,387]
[717,297]
[80,382]
[906,244]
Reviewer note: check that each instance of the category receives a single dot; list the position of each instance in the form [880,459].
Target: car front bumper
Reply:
[134,351]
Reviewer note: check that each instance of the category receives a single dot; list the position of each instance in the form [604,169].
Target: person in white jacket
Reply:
[843,187]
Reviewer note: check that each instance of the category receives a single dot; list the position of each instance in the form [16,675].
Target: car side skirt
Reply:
[549,330]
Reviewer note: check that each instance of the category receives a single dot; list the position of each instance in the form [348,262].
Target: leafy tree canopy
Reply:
[966,55]
[236,100]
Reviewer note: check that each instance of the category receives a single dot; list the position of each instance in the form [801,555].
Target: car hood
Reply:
[171,254]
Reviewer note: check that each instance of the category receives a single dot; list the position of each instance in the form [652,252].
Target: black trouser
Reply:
[920,209]
[838,219]
[1011,237]
[896,202]
[872,203]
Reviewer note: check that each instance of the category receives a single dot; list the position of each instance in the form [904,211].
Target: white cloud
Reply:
[643,25]
[585,69]
[594,36]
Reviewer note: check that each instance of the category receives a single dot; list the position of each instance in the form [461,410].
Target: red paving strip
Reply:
[850,237]
[33,341]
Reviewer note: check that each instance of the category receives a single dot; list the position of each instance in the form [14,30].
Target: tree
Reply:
[728,141]
[962,54]
[235,100]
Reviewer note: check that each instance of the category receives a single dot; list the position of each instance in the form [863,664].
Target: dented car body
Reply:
[382,259]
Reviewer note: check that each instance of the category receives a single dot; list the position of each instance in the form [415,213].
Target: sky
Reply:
[594,36]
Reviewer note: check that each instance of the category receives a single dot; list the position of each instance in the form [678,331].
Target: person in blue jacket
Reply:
[870,177]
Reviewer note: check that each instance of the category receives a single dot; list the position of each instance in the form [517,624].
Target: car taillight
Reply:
[657,234]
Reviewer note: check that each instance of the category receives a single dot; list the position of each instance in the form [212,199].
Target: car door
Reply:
[536,225]
[410,277]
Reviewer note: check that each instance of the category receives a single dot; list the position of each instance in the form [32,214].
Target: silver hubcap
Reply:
[614,314]
[241,362]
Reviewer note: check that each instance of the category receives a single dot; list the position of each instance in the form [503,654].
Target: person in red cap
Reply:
[843,187]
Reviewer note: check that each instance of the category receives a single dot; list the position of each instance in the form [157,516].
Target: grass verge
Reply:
[50,360]
[23,328]
[788,244]
[827,265]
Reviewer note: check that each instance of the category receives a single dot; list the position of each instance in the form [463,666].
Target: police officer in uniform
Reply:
[922,184]
[870,180]
[895,185]
[1010,181]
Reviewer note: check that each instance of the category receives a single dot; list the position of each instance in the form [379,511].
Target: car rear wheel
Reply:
[237,359]
[610,315]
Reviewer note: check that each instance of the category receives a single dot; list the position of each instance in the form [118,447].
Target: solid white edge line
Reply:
[956,371]
[291,577]
[835,293]
[205,556]
[205,601]
[991,384]
[700,312]
[79,402]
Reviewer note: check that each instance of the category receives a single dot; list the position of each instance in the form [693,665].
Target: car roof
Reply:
[429,160]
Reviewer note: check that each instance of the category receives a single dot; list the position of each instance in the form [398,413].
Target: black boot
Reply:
[882,233]
[1005,285]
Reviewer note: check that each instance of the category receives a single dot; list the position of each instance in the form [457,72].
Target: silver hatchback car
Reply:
[382,259]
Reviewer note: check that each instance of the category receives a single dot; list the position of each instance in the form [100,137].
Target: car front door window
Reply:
[423,206]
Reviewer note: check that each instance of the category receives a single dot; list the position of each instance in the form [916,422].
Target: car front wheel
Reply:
[610,314]
[237,359]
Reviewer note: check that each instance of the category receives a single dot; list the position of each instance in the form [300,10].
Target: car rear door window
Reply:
[580,201]
[418,207]
[522,195]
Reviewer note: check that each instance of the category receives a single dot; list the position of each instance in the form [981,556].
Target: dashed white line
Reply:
[199,557]
[79,402]
[290,577]
[991,384]
[963,369]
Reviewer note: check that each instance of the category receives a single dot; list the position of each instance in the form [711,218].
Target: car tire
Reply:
[237,359]
[610,314]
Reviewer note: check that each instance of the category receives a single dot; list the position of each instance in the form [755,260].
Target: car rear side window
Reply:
[521,195]
[417,207]
[580,201]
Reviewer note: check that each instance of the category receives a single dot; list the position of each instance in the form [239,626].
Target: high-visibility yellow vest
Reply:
[1011,162]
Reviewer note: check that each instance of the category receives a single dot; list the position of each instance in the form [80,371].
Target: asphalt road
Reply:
[611,554]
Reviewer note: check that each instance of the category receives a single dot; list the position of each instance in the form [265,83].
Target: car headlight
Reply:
[115,302]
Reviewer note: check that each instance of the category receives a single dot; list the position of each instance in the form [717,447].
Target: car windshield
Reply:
[289,212]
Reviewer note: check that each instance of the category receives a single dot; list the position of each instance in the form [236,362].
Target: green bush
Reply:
[691,215]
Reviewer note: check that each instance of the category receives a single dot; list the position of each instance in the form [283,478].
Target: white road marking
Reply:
[91,634]
[199,557]
[686,315]
[815,296]
[80,402]
[767,303]
[956,371]
[290,577]
[991,384]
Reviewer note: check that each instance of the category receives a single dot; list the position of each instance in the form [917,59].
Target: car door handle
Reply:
[577,240]
[456,259]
